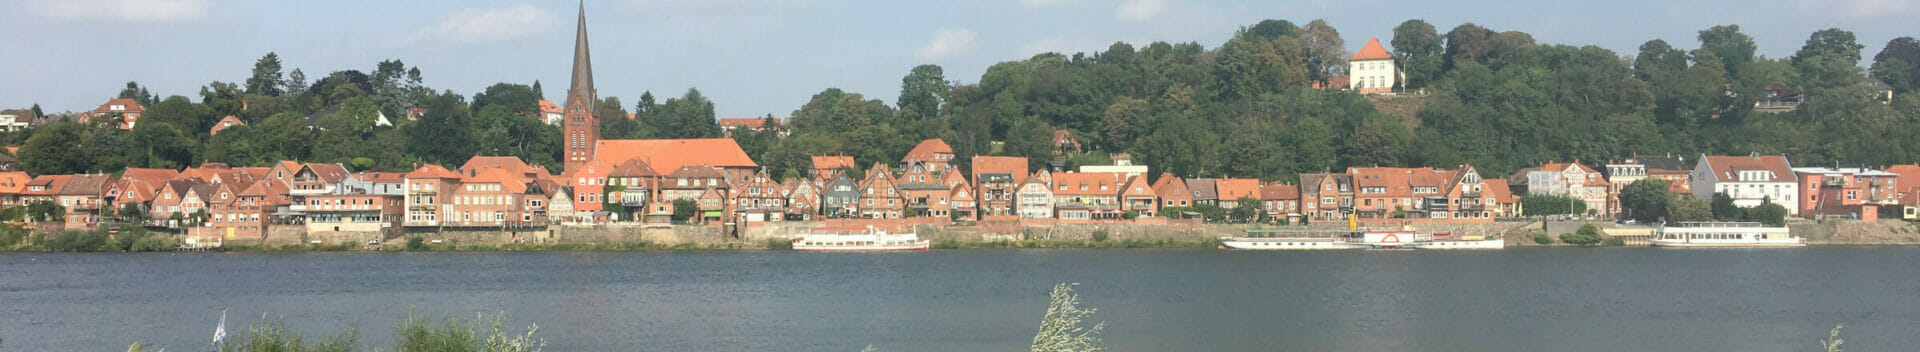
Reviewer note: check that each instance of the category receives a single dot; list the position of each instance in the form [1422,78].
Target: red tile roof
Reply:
[1908,178]
[382,177]
[1725,168]
[672,154]
[508,181]
[1498,190]
[547,106]
[132,106]
[226,122]
[834,162]
[155,178]
[1279,191]
[1236,188]
[330,173]
[431,171]
[634,168]
[1087,183]
[14,182]
[1372,51]
[51,184]
[926,150]
[752,123]
[1171,187]
[1017,166]
[1137,186]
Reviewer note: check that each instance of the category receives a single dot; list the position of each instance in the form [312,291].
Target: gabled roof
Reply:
[1727,168]
[135,191]
[513,165]
[86,185]
[226,122]
[1203,188]
[879,173]
[926,150]
[671,154]
[51,184]
[431,171]
[1279,191]
[1171,187]
[832,161]
[507,180]
[152,177]
[329,173]
[272,191]
[132,106]
[382,177]
[1236,188]
[1498,190]
[1087,183]
[1908,176]
[634,168]
[1372,51]
[1136,186]
[1013,165]
[592,170]
[547,106]
[14,182]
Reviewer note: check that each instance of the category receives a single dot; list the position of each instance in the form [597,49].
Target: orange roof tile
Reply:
[547,106]
[752,123]
[431,171]
[152,177]
[926,150]
[1279,191]
[1725,167]
[132,106]
[506,179]
[1372,51]
[672,154]
[1498,190]
[1170,187]
[1087,183]
[832,161]
[1017,166]
[14,182]
[1236,188]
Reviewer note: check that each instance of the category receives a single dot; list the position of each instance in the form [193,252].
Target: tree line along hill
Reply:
[1497,100]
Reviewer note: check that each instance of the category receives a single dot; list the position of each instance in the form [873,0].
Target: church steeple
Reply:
[582,128]
[582,63]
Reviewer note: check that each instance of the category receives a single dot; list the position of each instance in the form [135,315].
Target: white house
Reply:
[1574,180]
[1748,179]
[1372,69]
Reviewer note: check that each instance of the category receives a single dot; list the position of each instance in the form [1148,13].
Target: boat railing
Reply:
[1717,224]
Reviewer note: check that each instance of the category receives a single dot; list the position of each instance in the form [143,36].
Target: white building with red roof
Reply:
[1371,70]
[1750,180]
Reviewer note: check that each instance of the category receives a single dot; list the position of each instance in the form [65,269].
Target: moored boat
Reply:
[1724,234]
[1267,239]
[852,239]
[1448,241]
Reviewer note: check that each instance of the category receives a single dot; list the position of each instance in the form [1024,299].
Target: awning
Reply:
[713,213]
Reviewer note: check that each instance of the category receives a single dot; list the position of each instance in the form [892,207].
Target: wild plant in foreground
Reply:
[1060,331]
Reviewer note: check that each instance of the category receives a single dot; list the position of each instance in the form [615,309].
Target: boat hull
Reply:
[919,246]
[1271,244]
[1685,244]
[1462,244]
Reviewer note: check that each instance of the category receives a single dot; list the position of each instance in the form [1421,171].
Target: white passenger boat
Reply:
[1724,234]
[1291,240]
[853,239]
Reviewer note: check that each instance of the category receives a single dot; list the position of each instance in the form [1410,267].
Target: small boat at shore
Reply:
[1725,235]
[853,239]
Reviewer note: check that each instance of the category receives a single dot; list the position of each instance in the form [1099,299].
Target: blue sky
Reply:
[758,57]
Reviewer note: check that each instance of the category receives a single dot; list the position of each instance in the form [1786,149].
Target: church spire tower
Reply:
[582,128]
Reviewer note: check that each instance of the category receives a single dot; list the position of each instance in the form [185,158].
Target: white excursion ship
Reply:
[1297,240]
[830,239]
[1724,234]
[1403,238]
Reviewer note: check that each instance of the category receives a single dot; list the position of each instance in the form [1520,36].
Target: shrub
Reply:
[779,244]
[12,235]
[1587,235]
[1614,242]
[1542,239]
[1100,235]
[416,243]
[1061,330]
[81,241]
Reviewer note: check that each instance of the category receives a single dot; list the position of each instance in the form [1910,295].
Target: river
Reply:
[1530,299]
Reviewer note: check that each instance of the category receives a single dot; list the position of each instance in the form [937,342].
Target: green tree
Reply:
[55,148]
[1326,52]
[138,94]
[516,98]
[1724,209]
[922,92]
[1734,49]
[685,209]
[1647,200]
[1541,204]
[443,135]
[266,79]
[1833,42]
[296,83]
[1688,208]
[1466,43]
[1768,213]
[1418,48]
[1246,209]
[1898,64]
[689,116]
[1587,235]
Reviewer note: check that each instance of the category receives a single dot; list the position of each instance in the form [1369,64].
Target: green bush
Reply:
[416,243]
[1542,239]
[779,244]
[81,241]
[13,235]
[1587,235]
[1100,235]
[1614,242]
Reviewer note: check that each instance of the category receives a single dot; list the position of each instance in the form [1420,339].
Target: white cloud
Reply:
[124,10]
[491,25]
[1140,10]
[946,42]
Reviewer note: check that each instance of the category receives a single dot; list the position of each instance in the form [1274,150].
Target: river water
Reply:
[1619,299]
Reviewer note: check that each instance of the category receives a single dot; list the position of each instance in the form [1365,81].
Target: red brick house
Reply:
[933,153]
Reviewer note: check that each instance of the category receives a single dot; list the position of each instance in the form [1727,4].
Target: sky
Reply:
[760,57]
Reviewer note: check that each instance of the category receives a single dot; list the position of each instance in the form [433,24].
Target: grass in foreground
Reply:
[417,334]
